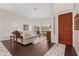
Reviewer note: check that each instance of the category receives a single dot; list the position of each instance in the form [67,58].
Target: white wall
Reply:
[45,22]
[54,28]
[10,22]
[76,41]
[59,7]
[0,27]
[42,22]
[76,32]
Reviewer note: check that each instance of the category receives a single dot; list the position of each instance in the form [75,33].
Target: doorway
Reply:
[65,28]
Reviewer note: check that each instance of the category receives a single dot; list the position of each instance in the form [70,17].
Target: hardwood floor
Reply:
[70,51]
[38,49]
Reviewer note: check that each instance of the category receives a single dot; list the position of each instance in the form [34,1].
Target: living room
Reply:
[32,19]
[15,21]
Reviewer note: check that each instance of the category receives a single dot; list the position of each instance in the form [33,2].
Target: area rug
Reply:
[4,51]
[56,50]
[39,39]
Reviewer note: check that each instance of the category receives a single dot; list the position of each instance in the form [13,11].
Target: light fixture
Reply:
[35,8]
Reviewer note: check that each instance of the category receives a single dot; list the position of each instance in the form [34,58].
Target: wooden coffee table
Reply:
[15,38]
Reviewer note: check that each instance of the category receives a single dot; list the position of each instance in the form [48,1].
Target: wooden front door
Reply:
[65,28]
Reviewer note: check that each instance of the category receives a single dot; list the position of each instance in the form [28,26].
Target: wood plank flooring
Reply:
[70,51]
[38,49]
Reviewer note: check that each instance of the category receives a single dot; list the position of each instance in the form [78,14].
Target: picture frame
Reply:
[76,22]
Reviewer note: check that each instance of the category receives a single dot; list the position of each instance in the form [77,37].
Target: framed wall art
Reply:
[76,22]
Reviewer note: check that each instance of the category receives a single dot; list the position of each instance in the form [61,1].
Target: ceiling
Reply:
[37,10]
[30,10]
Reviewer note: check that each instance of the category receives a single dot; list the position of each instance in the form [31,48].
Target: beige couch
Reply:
[27,38]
